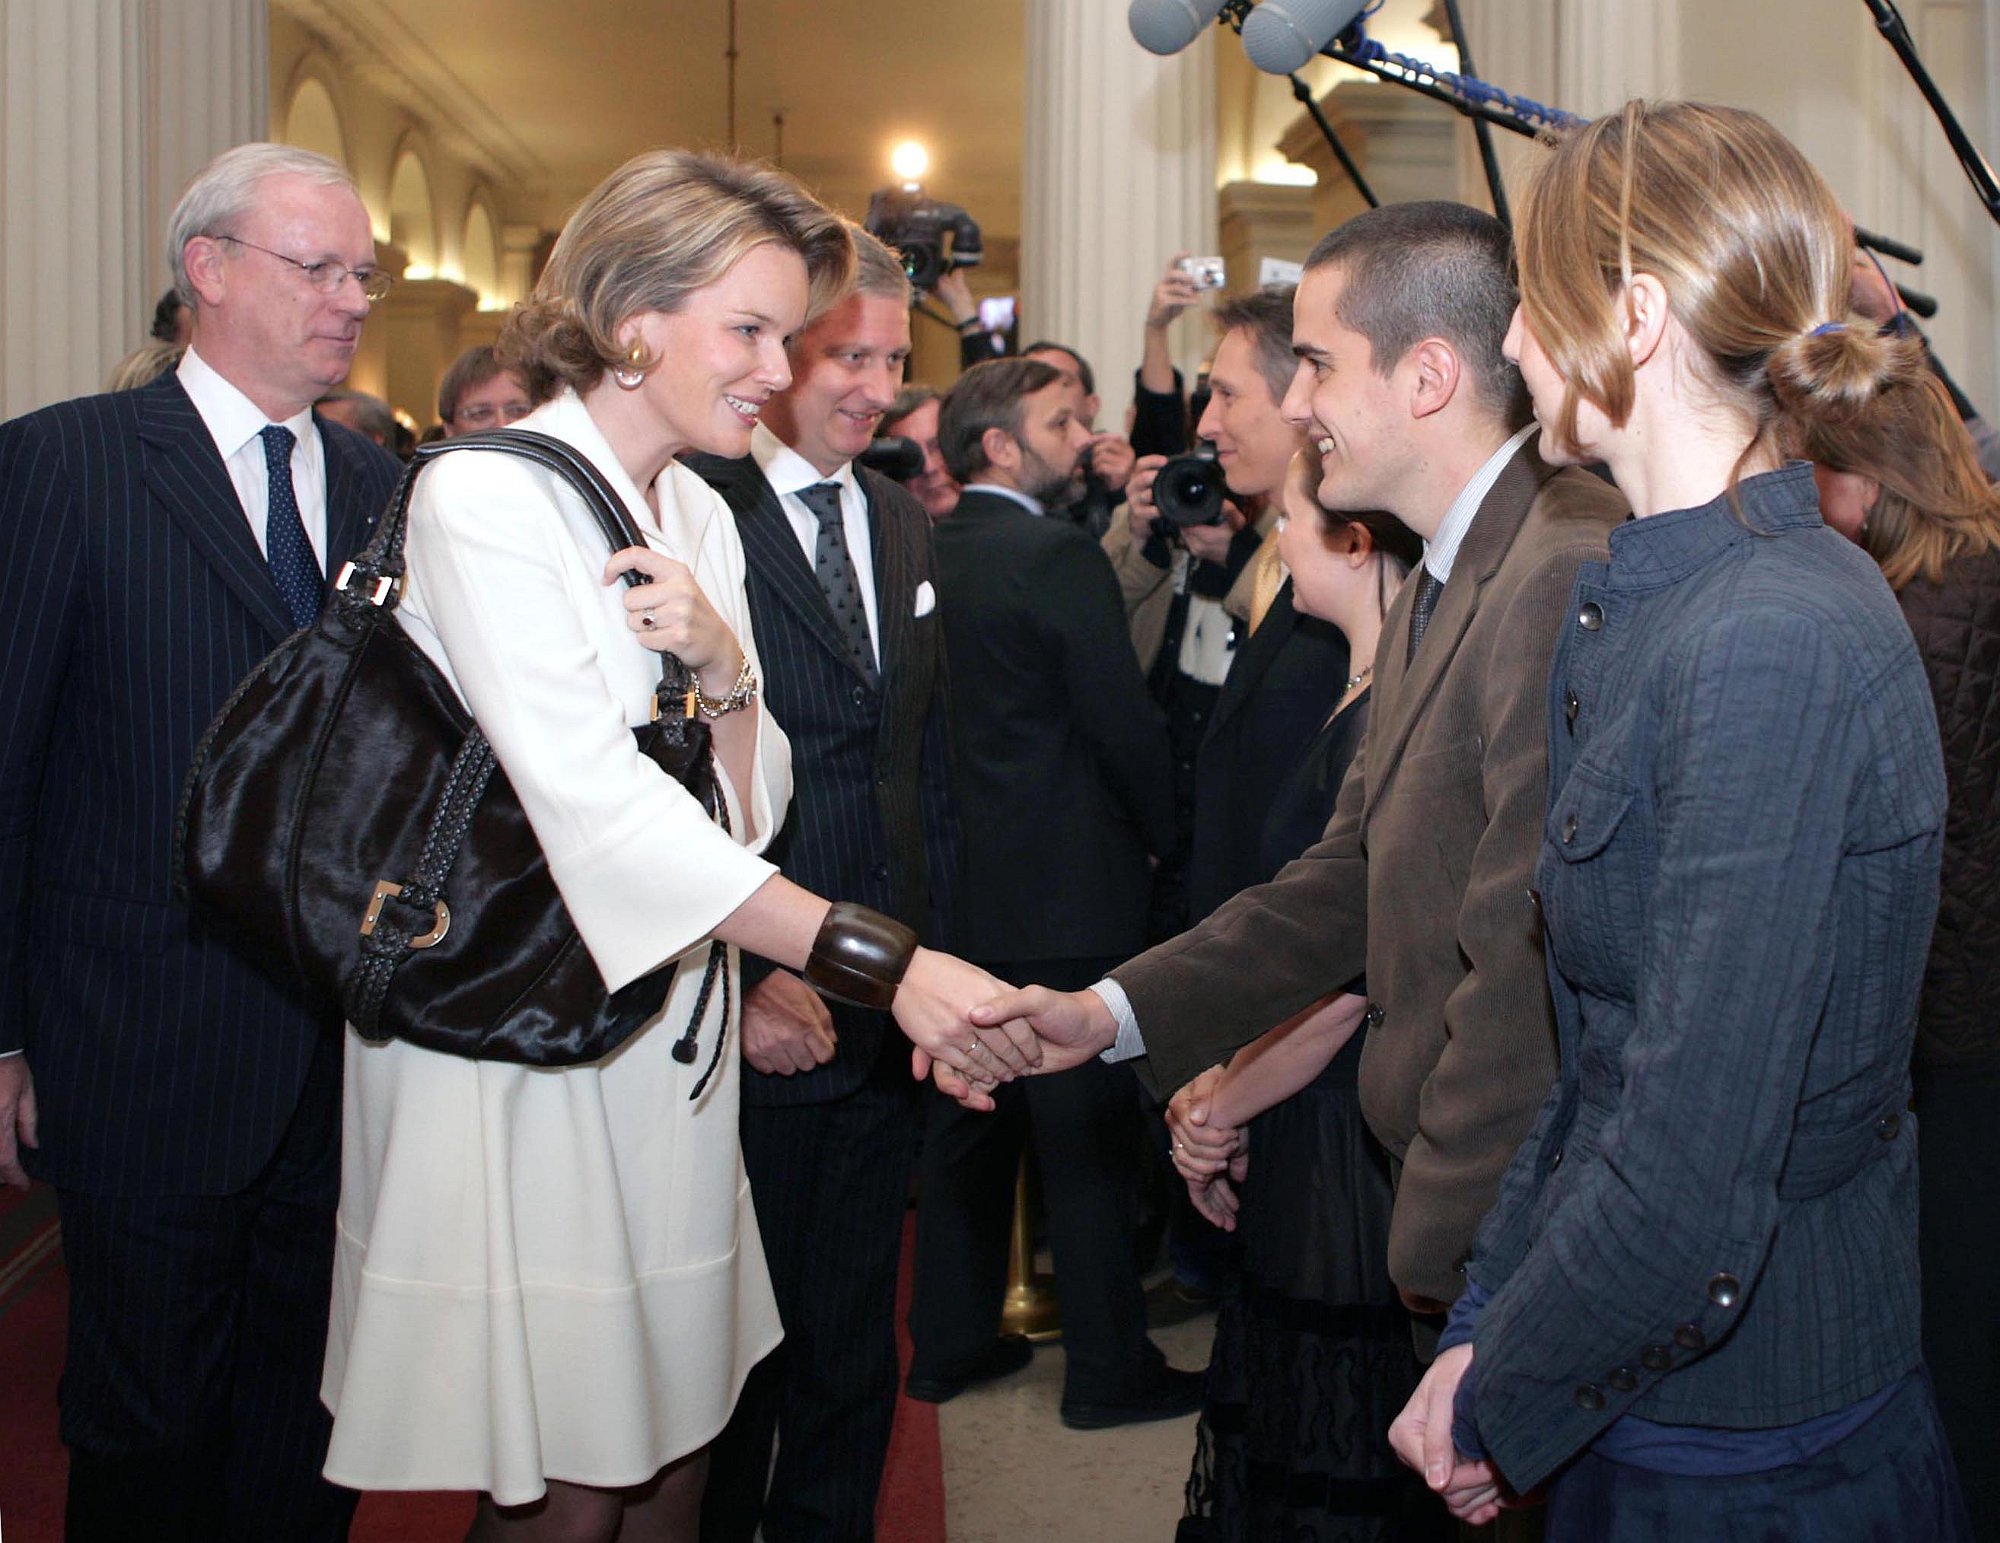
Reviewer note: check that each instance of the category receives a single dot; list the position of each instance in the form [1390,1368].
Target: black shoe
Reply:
[1166,1395]
[1006,1355]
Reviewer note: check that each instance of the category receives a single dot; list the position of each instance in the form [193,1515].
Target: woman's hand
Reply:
[1421,1435]
[670,614]
[1216,1198]
[1200,1150]
[932,1006]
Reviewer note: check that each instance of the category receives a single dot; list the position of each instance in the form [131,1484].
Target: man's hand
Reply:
[1139,494]
[1175,293]
[1421,1436]
[1210,543]
[1112,458]
[955,291]
[786,1027]
[17,1118]
[1072,1026]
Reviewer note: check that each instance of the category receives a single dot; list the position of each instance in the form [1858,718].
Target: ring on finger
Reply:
[647,620]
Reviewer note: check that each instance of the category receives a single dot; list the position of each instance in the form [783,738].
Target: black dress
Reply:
[1312,1355]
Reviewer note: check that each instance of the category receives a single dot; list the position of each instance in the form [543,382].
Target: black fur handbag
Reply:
[345,816]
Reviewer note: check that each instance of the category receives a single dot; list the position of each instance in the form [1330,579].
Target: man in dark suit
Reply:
[154,545]
[1064,791]
[845,614]
[1288,672]
[1424,874]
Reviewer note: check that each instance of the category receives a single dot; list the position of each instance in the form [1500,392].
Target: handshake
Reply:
[971,1031]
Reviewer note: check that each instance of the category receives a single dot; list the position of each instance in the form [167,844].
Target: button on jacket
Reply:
[1739,873]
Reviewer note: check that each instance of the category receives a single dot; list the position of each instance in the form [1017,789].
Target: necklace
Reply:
[1360,675]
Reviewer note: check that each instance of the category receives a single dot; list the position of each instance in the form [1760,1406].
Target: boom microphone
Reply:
[1281,35]
[1168,26]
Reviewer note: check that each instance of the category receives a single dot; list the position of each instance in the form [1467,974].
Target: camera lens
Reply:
[1188,490]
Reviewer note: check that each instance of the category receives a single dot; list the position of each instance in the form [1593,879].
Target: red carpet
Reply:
[35,1469]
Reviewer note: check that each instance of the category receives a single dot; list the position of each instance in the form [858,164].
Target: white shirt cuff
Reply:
[1129,1046]
[9,1054]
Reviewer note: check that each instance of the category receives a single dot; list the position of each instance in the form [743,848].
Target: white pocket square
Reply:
[926,599]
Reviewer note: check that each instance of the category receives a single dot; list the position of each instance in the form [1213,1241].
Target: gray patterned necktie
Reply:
[834,568]
[1428,589]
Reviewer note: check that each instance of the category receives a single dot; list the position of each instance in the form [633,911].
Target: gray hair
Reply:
[225,190]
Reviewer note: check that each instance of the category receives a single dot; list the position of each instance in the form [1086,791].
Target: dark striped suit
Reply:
[829,1151]
[173,1077]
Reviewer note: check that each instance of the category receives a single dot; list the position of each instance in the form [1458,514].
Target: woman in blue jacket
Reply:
[1694,1305]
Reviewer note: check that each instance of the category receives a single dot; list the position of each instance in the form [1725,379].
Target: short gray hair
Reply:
[225,190]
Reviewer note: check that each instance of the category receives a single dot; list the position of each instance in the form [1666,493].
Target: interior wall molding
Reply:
[368,37]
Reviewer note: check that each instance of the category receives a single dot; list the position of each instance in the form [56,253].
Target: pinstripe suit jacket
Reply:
[871,816]
[133,598]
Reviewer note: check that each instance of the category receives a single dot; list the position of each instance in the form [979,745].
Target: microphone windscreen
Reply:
[1168,26]
[1281,35]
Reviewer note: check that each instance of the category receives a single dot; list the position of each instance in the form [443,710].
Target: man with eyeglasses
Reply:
[180,1095]
[479,393]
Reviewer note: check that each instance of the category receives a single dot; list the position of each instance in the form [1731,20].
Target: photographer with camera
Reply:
[1193,524]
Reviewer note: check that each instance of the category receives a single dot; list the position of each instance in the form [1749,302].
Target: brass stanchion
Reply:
[1030,1306]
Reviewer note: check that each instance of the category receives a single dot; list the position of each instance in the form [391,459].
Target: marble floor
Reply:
[1012,1472]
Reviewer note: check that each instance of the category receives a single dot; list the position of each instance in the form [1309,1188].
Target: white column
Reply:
[210,68]
[72,195]
[1118,174]
[107,107]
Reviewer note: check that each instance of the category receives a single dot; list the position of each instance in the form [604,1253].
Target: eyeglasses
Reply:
[483,413]
[327,276]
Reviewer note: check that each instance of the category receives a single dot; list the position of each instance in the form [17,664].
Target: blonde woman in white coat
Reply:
[549,1285]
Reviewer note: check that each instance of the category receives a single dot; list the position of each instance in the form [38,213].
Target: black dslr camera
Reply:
[903,218]
[1188,490]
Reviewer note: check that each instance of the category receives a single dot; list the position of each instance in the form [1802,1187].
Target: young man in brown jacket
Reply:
[1424,876]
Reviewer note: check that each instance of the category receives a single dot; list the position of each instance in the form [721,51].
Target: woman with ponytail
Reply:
[1692,1313]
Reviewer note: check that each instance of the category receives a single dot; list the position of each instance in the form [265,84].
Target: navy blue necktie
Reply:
[293,567]
[834,568]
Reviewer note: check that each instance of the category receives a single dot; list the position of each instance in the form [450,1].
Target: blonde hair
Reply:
[144,365]
[1748,242]
[663,225]
[1935,502]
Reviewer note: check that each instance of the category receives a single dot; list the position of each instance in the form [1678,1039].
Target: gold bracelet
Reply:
[740,696]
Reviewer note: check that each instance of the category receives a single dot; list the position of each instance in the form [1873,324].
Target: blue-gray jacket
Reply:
[1714,1219]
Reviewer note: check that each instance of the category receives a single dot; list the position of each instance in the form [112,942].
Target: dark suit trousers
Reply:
[831,1183]
[197,1326]
[1084,1124]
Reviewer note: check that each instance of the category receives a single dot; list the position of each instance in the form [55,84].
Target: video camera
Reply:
[905,219]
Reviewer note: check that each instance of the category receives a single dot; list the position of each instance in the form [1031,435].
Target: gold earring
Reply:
[633,371]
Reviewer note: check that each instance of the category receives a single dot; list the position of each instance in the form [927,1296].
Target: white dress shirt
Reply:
[235,423]
[788,472]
